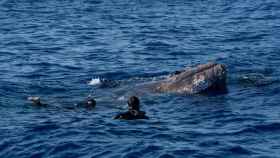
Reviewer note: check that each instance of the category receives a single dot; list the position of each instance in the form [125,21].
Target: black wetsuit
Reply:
[88,104]
[39,104]
[84,105]
[132,115]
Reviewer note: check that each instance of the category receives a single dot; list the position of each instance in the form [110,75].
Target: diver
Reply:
[133,110]
[36,101]
[89,103]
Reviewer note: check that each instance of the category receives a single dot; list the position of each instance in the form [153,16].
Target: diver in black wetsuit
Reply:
[133,110]
[89,103]
[36,101]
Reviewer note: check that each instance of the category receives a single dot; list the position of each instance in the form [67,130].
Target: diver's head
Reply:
[133,103]
[35,100]
[90,102]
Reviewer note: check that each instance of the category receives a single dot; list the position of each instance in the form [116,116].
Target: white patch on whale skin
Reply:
[199,85]
[94,81]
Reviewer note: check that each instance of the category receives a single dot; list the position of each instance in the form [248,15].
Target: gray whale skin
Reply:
[204,78]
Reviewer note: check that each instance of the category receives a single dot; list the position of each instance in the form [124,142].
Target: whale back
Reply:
[202,78]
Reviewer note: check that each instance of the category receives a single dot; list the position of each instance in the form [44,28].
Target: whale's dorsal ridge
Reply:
[204,77]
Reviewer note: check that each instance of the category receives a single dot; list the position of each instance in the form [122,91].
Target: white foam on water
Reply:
[94,81]
[121,98]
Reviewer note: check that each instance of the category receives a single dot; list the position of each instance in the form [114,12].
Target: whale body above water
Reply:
[204,78]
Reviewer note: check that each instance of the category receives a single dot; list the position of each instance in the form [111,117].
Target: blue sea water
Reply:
[54,48]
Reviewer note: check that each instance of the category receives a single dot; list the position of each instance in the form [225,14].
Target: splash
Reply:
[94,81]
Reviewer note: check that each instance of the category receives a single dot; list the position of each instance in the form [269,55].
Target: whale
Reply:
[203,78]
[208,78]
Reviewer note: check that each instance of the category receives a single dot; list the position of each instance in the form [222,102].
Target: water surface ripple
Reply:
[53,49]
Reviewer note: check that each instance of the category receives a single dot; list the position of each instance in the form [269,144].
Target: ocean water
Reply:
[61,50]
